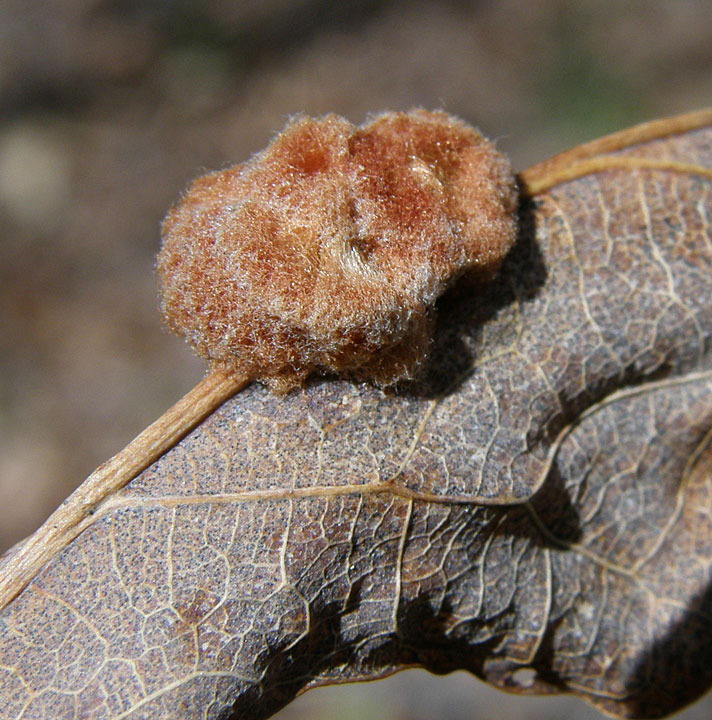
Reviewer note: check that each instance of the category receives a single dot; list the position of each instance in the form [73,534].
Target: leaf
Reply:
[541,501]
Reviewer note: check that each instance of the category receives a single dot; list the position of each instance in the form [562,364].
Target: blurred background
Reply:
[108,108]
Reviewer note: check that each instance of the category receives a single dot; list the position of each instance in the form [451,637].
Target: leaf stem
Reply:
[76,513]
[596,155]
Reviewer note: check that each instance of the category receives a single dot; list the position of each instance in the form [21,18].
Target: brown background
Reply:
[108,109]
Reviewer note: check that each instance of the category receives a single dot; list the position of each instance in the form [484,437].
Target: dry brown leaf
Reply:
[541,501]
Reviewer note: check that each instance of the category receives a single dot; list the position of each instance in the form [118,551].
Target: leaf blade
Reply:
[476,520]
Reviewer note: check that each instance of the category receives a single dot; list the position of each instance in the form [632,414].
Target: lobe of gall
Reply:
[327,251]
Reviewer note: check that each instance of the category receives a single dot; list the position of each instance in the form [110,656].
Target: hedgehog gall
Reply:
[327,251]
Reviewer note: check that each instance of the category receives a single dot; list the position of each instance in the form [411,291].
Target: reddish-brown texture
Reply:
[328,250]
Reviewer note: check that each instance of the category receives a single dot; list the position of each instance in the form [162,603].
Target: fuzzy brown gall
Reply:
[327,251]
